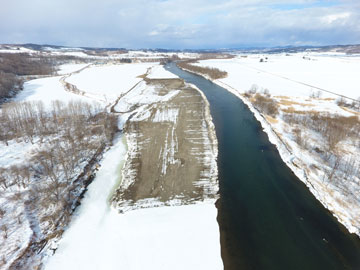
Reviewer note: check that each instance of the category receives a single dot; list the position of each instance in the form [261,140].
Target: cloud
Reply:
[180,23]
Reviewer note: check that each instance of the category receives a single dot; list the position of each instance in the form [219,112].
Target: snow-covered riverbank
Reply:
[243,72]
[182,237]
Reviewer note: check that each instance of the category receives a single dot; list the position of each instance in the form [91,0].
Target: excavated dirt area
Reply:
[172,150]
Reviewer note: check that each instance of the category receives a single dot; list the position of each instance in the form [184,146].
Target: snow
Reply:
[69,68]
[142,94]
[100,82]
[15,153]
[292,75]
[71,53]
[159,72]
[47,90]
[166,115]
[149,54]
[15,49]
[178,237]
[62,49]
[109,81]
[19,234]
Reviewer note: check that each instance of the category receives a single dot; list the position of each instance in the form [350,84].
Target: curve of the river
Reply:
[268,218]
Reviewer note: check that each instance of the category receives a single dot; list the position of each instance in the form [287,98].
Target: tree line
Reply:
[213,73]
[15,65]
[67,138]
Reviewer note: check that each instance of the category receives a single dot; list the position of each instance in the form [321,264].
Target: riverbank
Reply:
[344,207]
[268,219]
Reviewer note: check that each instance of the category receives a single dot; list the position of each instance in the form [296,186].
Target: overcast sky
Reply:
[180,23]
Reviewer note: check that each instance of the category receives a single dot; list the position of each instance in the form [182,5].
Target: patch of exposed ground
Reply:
[271,119]
[288,102]
[172,150]
[350,110]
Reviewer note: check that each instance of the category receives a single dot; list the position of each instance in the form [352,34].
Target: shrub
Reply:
[213,73]
[9,84]
[25,64]
[266,105]
[333,128]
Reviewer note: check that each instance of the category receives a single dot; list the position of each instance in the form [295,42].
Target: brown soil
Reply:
[350,110]
[166,158]
[271,119]
[287,102]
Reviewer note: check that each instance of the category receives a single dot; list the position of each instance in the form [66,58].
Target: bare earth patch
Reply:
[350,110]
[288,102]
[271,119]
[172,151]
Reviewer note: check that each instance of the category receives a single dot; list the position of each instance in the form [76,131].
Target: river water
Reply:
[268,218]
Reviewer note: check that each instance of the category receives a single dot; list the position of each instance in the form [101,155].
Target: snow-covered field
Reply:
[144,94]
[158,72]
[182,237]
[292,75]
[48,90]
[69,68]
[150,54]
[295,82]
[109,81]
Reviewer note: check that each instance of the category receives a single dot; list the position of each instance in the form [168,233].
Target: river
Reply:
[268,218]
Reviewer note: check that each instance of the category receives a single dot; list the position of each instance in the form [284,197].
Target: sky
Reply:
[180,24]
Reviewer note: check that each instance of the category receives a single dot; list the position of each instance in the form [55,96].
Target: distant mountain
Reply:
[349,49]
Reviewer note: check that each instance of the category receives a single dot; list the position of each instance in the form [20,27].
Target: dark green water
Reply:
[268,218]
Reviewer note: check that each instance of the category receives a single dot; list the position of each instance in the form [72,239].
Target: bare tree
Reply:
[5,230]
[2,213]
